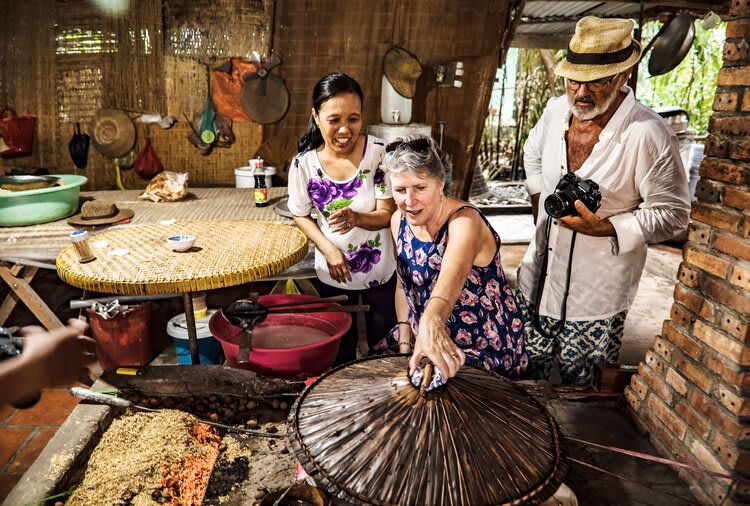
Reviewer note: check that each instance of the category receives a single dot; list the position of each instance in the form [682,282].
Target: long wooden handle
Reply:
[316,300]
[109,400]
[324,309]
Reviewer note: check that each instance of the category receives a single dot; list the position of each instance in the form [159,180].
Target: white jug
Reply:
[394,108]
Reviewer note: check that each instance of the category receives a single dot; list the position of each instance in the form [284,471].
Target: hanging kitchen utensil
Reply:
[208,126]
[79,147]
[672,44]
[112,132]
[367,435]
[264,96]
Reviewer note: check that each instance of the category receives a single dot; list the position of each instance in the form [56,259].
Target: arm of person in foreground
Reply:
[343,220]
[405,344]
[465,233]
[49,359]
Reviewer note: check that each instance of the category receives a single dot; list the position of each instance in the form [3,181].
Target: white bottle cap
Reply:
[79,236]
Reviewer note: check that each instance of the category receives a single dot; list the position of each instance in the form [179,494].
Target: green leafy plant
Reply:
[692,84]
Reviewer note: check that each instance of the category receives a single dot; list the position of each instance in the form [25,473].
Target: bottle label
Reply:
[261,196]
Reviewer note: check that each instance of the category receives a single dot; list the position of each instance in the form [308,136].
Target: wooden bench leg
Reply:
[21,290]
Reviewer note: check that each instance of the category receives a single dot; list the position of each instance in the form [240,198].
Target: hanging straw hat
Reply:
[368,435]
[599,48]
[402,69]
[99,212]
[112,132]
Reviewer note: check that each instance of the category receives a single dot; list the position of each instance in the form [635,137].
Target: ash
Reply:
[502,194]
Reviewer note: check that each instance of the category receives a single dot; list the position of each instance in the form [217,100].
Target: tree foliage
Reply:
[692,84]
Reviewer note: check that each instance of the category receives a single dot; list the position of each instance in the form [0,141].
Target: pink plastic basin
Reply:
[285,362]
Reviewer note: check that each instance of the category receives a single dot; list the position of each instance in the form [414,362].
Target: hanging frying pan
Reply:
[264,97]
[672,44]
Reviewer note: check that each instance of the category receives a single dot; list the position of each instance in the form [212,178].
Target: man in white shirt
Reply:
[576,306]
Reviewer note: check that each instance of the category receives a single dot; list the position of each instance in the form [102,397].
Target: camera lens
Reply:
[557,205]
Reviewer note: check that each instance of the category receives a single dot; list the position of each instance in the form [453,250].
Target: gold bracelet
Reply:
[407,343]
[439,297]
[403,322]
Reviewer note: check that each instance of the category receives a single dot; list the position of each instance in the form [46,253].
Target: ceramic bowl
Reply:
[181,242]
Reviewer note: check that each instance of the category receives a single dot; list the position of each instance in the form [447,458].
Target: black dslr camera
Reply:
[569,189]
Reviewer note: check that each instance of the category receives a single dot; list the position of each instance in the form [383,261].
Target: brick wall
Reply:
[692,391]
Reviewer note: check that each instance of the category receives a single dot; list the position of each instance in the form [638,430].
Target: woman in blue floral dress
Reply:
[455,298]
[337,173]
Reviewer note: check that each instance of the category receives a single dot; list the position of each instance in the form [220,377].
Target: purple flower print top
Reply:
[369,253]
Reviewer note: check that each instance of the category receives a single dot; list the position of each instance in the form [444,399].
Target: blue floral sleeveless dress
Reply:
[485,323]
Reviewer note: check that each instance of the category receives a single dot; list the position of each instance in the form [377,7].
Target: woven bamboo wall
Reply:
[67,59]
[312,42]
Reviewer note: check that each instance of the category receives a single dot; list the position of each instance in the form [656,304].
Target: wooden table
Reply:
[225,253]
[24,250]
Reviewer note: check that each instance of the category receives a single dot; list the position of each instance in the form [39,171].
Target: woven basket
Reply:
[370,437]
[226,253]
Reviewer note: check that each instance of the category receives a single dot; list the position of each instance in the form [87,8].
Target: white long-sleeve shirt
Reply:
[637,165]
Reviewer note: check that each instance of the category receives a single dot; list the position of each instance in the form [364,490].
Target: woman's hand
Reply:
[435,344]
[343,220]
[338,267]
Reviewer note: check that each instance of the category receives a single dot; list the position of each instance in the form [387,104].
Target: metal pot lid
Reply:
[672,44]
[24,182]
[264,99]
[369,436]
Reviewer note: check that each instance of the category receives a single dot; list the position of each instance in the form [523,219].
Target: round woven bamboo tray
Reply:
[225,253]
[370,437]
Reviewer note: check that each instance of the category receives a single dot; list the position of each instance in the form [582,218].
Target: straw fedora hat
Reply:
[402,69]
[599,48]
[99,212]
[112,132]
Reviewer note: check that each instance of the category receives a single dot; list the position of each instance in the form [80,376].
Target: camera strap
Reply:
[536,317]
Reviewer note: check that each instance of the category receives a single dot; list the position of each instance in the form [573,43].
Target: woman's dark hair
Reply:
[328,87]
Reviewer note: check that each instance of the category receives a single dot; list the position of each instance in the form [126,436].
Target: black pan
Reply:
[672,44]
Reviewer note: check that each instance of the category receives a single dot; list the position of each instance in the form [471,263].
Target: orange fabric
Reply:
[227,88]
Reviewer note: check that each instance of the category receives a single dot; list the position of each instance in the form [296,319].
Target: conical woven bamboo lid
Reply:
[370,437]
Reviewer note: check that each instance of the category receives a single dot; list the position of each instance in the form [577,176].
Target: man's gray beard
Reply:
[598,109]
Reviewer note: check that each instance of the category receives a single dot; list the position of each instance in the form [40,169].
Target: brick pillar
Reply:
[692,391]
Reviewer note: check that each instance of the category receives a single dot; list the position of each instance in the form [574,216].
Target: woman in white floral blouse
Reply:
[337,173]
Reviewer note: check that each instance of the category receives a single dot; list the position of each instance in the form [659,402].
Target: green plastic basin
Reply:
[18,209]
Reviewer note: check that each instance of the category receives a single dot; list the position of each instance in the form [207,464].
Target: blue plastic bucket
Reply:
[209,348]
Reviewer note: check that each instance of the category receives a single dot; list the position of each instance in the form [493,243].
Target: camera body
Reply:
[569,189]
[10,347]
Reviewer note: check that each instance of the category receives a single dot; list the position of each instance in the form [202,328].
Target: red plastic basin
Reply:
[285,362]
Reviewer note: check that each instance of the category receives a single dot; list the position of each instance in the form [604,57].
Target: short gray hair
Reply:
[431,163]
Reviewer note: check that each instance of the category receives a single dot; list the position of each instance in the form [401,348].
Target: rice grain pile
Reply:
[150,458]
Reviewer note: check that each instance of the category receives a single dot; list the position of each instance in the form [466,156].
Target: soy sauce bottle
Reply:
[261,191]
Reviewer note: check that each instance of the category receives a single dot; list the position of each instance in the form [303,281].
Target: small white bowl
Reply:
[181,242]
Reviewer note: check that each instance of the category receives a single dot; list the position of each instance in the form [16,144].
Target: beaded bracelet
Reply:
[407,343]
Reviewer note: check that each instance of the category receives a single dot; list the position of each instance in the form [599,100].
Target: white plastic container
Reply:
[394,108]
[244,177]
